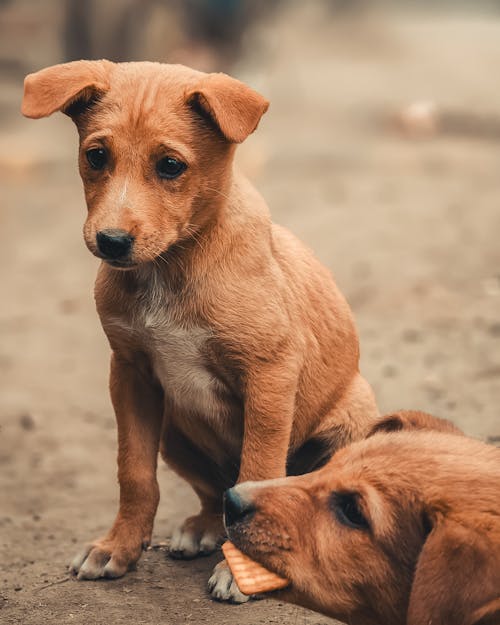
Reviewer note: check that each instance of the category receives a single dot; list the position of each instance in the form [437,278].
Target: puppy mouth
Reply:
[252,575]
[116,263]
[120,264]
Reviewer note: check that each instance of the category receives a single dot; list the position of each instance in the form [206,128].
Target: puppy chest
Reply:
[178,358]
[178,347]
[180,366]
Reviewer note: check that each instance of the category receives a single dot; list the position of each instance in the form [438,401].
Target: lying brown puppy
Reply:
[401,528]
[234,353]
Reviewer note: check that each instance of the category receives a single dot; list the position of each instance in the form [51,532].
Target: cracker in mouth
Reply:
[250,576]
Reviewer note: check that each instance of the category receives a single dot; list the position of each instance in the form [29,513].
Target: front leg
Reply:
[138,405]
[269,412]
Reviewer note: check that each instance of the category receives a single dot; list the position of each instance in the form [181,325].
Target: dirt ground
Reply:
[410,228]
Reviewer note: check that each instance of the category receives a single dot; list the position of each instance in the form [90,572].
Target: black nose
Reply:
[236,507]
[114,244]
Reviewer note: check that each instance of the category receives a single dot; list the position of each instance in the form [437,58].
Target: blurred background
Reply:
[381,150]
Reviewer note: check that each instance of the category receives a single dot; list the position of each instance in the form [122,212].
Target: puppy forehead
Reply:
[147,100]
[425,466]
[147,83]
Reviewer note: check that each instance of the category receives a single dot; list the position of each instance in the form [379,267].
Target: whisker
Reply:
[217,191]
[196,235]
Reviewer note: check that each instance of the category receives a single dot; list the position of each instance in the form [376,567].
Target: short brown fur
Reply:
[431,551]
[231,344]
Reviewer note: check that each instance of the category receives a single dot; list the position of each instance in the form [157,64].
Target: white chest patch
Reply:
[176,350]
[178,363]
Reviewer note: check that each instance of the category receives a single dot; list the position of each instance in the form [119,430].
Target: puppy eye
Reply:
[348,511]
[170,168]
[97,158]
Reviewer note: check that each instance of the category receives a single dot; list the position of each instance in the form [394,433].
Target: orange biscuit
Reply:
[251,577]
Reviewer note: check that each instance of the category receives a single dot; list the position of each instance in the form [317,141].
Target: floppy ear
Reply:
[413,420]
[457,579]
[389,423]
[232,106]
[56,88]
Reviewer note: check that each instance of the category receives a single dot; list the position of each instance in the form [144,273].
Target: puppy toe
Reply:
[209,543]
[235,594]
[184,544]
[116,567]
[79,559]
[222,586]
[93,566]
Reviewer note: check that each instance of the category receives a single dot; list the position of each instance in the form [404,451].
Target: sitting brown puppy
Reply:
[401,528]
[234,354]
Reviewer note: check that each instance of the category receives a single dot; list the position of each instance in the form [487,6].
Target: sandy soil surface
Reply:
[409,227]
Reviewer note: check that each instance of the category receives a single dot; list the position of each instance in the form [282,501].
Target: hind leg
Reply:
[200,534]
[357,409]
[350,419]
[203,533]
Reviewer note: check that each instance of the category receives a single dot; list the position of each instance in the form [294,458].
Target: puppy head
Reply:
[351,536]
[156,148]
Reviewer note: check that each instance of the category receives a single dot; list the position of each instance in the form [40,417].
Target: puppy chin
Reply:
[120,266]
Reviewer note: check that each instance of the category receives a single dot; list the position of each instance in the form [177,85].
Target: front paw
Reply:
[105,558]
[199,535]
[222,586]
